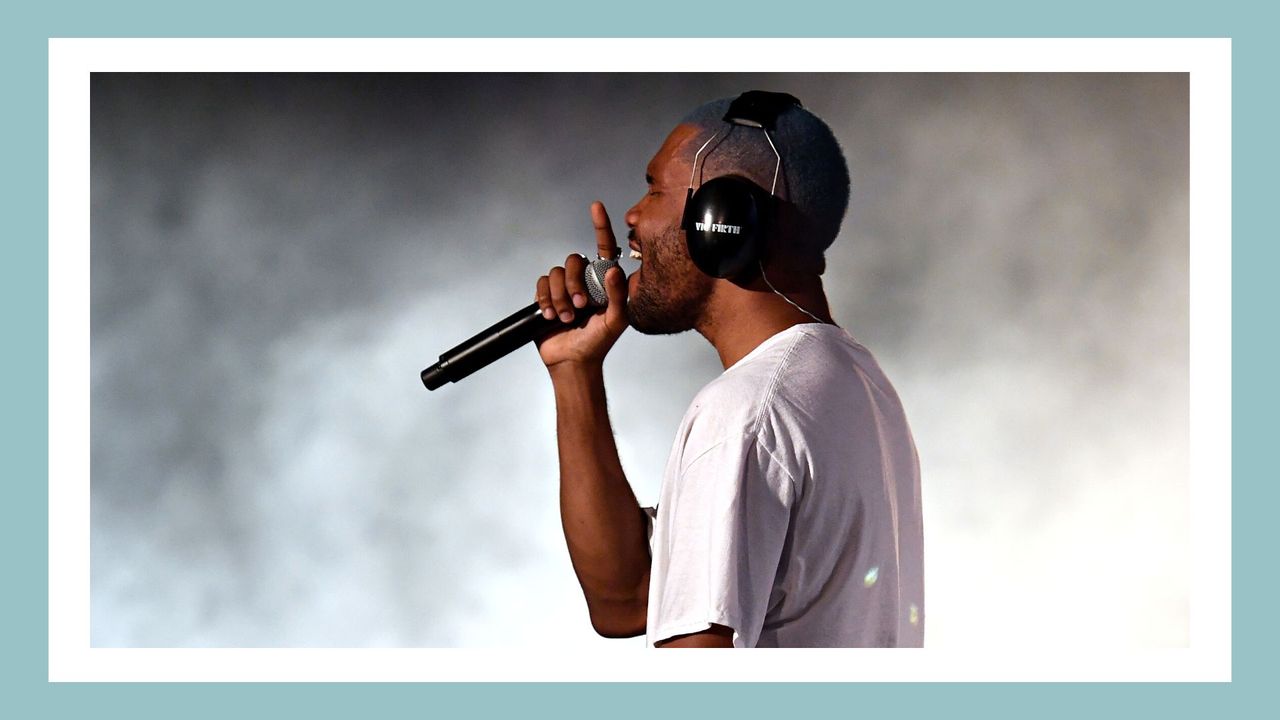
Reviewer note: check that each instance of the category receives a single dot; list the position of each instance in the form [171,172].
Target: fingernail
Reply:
[579,300]
[566,316]
[548,313]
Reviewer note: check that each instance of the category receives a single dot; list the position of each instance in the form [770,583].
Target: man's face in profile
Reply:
[668,294]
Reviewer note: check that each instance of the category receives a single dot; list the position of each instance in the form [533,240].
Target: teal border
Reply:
[24,292]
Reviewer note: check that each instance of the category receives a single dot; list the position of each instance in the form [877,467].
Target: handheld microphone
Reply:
[519,328]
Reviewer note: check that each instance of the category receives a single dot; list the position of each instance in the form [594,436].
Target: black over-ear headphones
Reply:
[726,220]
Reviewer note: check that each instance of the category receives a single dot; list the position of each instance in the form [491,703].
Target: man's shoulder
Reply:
[806,357]
[736,400]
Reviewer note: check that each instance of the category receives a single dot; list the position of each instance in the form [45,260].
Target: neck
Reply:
[739,318]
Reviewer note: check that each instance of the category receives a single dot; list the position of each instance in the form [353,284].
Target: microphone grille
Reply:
[594,280]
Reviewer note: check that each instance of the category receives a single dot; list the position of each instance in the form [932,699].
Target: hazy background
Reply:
[276,257]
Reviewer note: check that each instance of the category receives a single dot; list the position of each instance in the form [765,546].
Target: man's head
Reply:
[812,184]
[669,293]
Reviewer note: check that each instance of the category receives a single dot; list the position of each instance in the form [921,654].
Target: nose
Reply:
[632,218]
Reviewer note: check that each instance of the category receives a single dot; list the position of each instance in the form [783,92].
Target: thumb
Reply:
[615,287]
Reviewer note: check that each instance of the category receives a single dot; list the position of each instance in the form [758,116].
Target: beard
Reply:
[671,294]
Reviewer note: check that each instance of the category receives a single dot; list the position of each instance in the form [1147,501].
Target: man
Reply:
[789,513]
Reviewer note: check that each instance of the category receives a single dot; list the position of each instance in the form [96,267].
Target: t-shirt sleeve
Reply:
[730,509]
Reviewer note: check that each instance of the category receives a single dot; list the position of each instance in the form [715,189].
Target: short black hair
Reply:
[814,178]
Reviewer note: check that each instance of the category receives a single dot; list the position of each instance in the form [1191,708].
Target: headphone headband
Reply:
[725,220]
[759,108]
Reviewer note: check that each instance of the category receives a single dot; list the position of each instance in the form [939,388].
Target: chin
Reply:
[666,299]
[652,316]
[651,326]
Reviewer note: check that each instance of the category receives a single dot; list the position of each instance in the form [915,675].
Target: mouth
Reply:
[635,246]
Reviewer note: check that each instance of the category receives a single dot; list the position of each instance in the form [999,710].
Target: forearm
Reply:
[604,527]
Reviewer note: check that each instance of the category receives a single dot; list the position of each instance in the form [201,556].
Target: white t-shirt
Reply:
[790,504]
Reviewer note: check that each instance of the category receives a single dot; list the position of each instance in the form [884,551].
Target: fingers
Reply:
[559,298]
[606,243]
[562,289]
[574,268]
[542,295]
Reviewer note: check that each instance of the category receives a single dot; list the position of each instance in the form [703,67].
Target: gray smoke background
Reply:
[276,257]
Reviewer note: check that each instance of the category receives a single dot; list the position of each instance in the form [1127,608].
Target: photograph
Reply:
[888,359]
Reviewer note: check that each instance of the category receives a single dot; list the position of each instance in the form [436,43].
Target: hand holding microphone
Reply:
[562,293]
[587,305]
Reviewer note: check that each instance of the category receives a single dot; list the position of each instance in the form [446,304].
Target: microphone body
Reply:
[519,328]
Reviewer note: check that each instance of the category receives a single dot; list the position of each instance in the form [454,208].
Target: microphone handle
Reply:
[493,342]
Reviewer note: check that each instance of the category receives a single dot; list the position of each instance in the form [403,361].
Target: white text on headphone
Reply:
[718,227]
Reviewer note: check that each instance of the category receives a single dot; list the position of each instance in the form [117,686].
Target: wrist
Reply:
[573,371]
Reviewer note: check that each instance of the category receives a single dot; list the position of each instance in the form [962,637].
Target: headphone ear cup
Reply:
[724,224]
